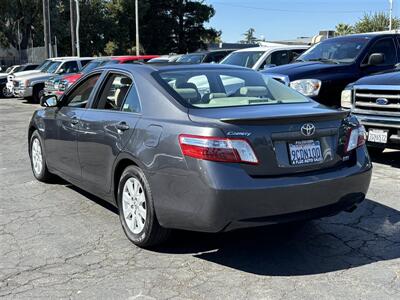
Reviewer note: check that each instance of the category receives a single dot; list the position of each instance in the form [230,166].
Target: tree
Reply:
[108,26]
[343,29]
[375,22]
[249,37]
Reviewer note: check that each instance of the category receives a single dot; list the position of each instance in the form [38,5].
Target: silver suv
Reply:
[31,86]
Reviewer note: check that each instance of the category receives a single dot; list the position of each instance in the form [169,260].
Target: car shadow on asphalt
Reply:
[370,234]
[389,157]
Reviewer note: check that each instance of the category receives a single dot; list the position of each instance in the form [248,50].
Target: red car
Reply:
[57,85]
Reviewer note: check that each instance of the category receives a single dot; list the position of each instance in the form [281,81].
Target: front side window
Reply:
[243,58]
[114,92]
[387,48]
[338,50]
[227,88]
[79,97]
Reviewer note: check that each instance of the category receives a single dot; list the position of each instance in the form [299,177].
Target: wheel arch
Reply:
[123,161]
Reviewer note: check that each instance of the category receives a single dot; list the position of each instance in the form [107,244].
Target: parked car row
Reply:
[324,72]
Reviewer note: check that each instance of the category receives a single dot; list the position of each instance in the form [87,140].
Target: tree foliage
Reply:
[375,22]
[343,29]
[249,37]
[368,23]
[108,26]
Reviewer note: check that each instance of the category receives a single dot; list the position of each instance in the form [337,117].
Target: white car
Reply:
[260,58]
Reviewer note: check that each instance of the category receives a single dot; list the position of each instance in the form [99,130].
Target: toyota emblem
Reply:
[308,129]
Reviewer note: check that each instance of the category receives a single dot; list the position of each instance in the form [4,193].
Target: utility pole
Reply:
[78,47]
[45,29]
[390,14]
[72,21]
[137,28]
[49,29]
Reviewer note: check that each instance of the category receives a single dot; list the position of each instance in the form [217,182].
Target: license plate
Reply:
[305,152]
[377,136]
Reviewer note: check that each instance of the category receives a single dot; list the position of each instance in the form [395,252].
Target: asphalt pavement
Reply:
[57,241]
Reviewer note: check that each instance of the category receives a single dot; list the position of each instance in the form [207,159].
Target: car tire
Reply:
[4,92]
[38,158]
[37,93]
[136,210]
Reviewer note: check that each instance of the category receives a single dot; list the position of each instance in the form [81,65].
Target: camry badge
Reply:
[308,129]
[382,101]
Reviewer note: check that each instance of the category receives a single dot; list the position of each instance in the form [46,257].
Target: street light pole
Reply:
[390,14]
[137,28]
[78,47]
[72,21]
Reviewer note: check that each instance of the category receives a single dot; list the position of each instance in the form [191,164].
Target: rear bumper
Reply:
[224,197]
[390,123]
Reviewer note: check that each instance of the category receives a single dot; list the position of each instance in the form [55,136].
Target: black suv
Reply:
[375,100]
[324,70]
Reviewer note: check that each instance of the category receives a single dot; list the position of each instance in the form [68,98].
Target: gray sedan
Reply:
[208,148]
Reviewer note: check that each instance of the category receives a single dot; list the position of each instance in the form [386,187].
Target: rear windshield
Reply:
[245,59]
[226,88]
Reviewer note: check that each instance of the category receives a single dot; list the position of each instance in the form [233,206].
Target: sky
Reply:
[289,19]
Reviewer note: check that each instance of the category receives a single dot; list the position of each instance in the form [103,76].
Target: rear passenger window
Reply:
[114,92]
[132,103]
[387,47]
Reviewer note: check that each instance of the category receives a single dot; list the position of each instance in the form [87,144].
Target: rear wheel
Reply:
[38,159]
[136,210]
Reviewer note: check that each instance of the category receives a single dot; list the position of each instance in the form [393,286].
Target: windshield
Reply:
[335,50]
[94,64]
[226,88]
[242,58]
[191,58]
[52,67]
[43,65]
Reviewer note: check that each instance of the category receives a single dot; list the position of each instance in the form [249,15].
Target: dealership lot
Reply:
[58,241]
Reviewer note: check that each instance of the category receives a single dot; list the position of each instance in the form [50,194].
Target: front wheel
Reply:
[136,210]
[38,159]
[5,92]
[37,93]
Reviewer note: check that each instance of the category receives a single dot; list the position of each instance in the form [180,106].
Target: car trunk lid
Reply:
[275,131]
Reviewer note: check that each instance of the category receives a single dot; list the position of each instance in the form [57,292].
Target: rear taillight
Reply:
[217,149]
[356,137]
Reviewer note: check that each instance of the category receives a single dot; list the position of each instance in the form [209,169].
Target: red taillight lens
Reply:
[356,137]
[217,149]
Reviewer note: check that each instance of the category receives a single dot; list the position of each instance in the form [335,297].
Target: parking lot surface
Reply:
[57,241]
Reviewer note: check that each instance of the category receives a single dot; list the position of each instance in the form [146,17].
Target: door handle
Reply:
[74,121]
[122,126]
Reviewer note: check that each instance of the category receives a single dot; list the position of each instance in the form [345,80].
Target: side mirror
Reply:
[61,71]
[49,101]
[376,59]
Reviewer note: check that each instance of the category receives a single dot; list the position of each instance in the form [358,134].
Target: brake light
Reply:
[217,149]
[356,137]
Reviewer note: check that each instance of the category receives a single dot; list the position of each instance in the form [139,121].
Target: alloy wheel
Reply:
[134,205]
